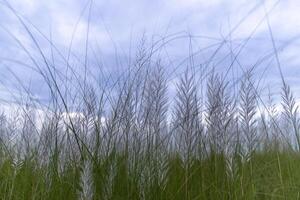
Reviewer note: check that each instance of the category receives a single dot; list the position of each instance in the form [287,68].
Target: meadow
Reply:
[136,135]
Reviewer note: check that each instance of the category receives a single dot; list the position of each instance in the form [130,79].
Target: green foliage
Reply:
[267,175]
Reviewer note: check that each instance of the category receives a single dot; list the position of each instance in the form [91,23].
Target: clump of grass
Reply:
[126,137]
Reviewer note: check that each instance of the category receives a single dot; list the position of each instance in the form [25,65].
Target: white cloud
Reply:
[125,20]
[198,3]
[26,7]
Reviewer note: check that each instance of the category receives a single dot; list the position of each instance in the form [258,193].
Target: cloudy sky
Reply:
[241,28]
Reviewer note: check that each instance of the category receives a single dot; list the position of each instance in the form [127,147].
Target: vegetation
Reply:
[130,137]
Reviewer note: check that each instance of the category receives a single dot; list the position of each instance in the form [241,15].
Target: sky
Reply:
[115,28]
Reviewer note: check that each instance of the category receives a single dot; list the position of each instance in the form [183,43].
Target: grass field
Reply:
[148,132]
[220,148]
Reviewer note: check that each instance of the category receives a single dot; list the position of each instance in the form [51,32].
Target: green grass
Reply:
[267,175]
[155,143]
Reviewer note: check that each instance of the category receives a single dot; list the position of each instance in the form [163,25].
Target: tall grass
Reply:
[129,137]
[148,146]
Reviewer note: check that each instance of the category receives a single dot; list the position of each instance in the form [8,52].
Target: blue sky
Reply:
[117,26]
